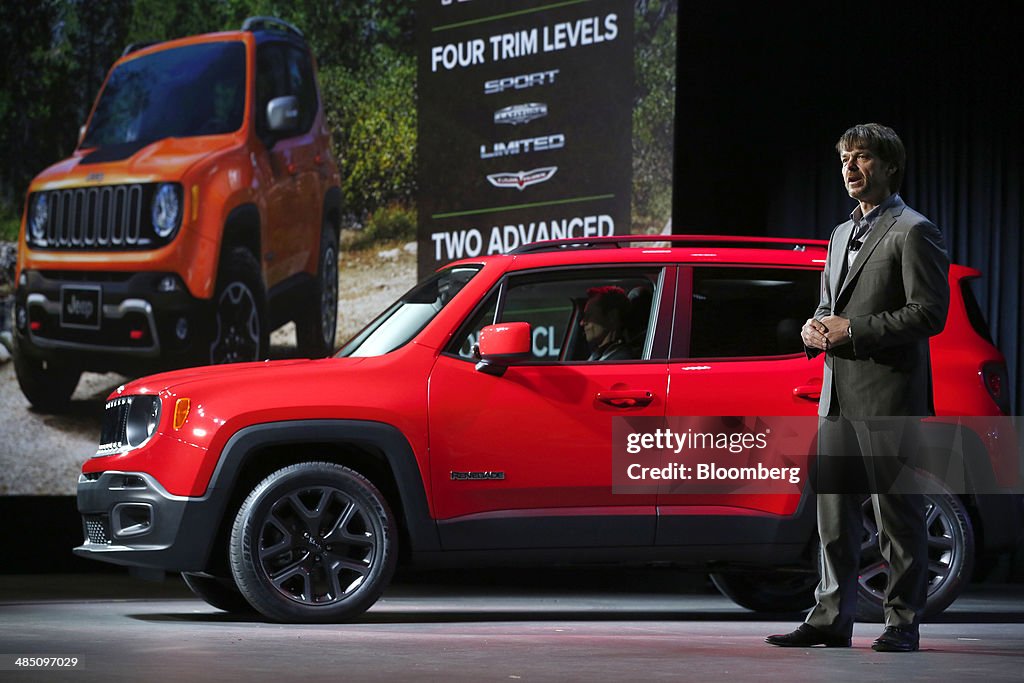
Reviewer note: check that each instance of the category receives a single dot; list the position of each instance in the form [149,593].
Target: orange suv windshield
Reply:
[182,92]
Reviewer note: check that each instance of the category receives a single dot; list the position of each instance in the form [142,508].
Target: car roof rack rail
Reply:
[621,241]
[135,47]
[270,23]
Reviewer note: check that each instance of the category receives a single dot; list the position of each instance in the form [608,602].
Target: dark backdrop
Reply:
[763,95]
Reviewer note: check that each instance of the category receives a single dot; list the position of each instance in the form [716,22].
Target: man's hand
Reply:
[837,330]
[827,333]
[814,334]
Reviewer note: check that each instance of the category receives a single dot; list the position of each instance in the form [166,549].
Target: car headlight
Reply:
[166,210]
[38,217]
[143,419]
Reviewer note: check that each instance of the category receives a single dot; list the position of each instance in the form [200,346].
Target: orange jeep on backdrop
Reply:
[199,212]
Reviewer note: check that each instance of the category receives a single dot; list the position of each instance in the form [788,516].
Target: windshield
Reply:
[406,317]
[181,92]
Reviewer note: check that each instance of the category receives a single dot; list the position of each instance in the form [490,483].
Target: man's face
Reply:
[865,175]
[595,323]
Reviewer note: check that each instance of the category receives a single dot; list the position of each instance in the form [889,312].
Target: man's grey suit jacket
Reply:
[896,296]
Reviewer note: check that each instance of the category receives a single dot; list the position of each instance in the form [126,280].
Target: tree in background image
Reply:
[653,113]
[55,55]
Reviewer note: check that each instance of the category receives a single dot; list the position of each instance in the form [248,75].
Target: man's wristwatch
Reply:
[849,332]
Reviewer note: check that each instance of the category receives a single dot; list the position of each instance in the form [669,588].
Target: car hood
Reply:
[245,376]
[223,399]
[166,159]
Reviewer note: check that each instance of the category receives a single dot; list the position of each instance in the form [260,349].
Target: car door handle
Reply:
[810,392]
[625,399]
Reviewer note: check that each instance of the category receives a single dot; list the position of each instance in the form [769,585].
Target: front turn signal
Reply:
[181,408]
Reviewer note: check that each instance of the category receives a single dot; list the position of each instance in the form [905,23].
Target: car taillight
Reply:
[994,377]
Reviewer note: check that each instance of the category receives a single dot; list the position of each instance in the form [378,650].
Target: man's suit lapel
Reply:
[882,226]
[837,266]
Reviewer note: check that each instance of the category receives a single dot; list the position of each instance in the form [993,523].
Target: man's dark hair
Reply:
[883,141]
[610,298]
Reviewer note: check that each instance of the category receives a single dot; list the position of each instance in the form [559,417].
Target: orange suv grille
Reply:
[110,217]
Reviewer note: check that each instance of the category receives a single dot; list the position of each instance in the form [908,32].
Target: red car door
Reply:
[524,459]
[737,352]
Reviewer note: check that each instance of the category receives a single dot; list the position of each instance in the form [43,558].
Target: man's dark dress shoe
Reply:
[808,636]
[897,639]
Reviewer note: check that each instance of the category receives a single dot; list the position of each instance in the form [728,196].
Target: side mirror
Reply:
[283,114]
[501,345]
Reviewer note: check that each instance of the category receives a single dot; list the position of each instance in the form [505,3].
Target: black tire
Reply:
[767,590]
[218,592]
[316,326]
[239,331]
[951,546]
[313,542]
[48,385]
[950,558]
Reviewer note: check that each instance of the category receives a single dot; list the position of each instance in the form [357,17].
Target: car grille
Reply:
[97,529]
[104,217]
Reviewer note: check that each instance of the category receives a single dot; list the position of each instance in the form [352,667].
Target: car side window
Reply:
[283,70]
[744,312]
[301,84]
[556,305]
[271,81]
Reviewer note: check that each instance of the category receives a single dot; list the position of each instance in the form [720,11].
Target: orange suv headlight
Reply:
[166,210]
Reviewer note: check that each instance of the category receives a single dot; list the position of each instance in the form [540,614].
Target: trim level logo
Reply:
[519,82]
[519,114]
[470,476]
[522,179]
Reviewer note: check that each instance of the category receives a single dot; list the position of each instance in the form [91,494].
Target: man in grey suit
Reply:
[885,291]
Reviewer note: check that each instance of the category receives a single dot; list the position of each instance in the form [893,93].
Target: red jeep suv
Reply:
[467,425]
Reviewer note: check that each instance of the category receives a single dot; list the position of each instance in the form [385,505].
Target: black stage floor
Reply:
[589,627]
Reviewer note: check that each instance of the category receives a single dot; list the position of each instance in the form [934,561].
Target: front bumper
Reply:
[128,518]
[138,325]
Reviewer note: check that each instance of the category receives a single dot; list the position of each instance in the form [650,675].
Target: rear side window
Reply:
[974,312]
[742,312]
[281,70]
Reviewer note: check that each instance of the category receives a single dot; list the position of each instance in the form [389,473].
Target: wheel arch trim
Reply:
[379,436]
[242,229]
[333,204]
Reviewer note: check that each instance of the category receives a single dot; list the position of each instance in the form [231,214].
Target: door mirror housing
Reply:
[283,114]
[501,345]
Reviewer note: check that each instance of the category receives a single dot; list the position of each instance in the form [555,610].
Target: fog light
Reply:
[181,329]
[167,284]
[131,519]
[21,318]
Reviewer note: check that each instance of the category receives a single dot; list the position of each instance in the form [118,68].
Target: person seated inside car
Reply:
[637,318]
[604,316]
